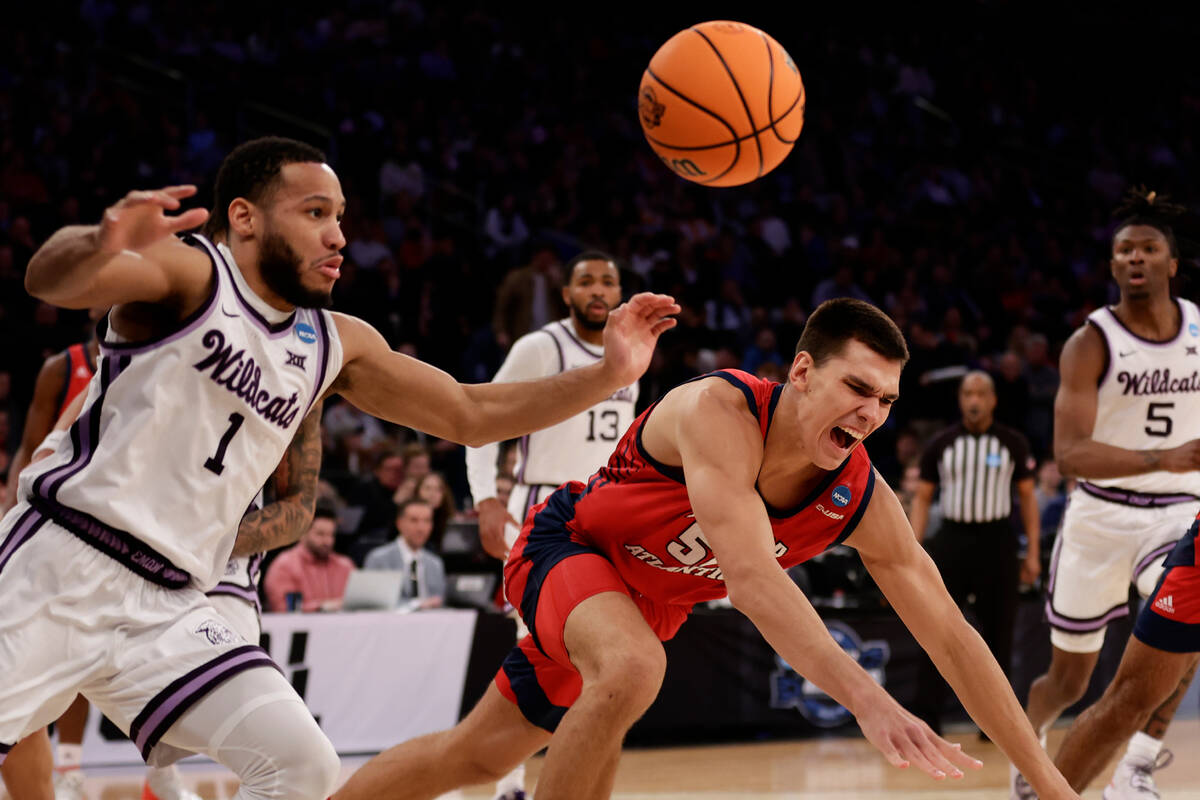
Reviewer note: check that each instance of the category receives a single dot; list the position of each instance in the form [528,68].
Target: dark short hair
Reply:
[412,501]
[1144,207]
[252,171]
[589,255]
[325,510]
[835,322]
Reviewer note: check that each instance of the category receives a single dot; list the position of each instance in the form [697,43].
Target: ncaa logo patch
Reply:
[1194,329]
[306,333]
[842,496]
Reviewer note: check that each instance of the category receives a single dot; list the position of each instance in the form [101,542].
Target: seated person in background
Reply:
[426,583]
[310,568]
[433,489]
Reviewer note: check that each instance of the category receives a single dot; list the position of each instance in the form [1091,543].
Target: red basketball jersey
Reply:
[79,373]
[636,511]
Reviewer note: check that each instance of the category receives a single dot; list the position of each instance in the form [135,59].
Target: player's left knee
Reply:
[314,771]
[1133,697]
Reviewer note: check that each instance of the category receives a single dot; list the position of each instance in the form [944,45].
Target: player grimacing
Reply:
[714,490]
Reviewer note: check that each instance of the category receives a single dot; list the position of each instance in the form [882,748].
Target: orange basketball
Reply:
[721,103]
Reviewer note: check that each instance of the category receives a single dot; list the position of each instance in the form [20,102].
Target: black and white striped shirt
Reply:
[976,471]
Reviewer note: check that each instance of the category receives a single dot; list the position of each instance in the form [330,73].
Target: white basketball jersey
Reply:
[574,448]
[1149,397]
[177,435]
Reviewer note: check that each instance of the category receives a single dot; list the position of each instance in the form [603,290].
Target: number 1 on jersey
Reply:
[216,464]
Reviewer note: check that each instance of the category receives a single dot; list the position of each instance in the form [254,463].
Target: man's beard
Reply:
[580,316]
[281,267]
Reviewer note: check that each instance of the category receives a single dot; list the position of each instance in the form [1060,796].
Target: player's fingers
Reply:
[955,755]
[192,218]
[513,520]
[893,757]
[938,752]
[663,325]
[182,190]
[921,760]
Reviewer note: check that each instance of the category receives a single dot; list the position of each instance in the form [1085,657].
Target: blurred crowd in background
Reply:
[947,173]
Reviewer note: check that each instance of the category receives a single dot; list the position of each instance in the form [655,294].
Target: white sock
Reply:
[68,756]
[1143,748]
[513,780]
[164,782]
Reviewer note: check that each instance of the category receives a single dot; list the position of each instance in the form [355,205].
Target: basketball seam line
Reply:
[736,142]
[736,139]
[771,90]
[741,96]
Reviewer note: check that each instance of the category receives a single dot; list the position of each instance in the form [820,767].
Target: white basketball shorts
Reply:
[1102,548]
[77,621]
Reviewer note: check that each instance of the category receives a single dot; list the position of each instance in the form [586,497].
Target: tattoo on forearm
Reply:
[283,521]
[1156,726]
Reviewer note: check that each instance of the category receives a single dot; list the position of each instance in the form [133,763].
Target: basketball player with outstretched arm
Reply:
[715,490]
[216,348]
[292,489]
[569,451]
[1127,425]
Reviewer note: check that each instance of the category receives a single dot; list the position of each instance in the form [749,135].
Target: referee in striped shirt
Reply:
[977,463]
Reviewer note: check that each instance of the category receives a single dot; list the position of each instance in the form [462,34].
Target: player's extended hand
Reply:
[138,219]
[905,740]
[632,331]
[1184,458]
[493,517]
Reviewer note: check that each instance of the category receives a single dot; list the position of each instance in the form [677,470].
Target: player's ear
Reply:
[1174,266]
[241,218]
[800,370]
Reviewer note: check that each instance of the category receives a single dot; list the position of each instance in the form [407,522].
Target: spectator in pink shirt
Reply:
[310,568]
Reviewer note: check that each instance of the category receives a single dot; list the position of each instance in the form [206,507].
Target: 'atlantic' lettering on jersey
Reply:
[238,373]
[1158,381]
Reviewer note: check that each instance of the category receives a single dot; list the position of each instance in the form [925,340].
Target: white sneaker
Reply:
[1018,787]
[1133,779]
[69,785]
[166,784]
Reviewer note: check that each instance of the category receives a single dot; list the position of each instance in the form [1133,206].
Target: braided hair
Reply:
[1144,207]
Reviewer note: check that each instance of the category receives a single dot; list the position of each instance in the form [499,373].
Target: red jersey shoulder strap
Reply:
[761,395]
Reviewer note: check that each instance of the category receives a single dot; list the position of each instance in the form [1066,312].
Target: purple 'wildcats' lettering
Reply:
[1157,382]
[238,373]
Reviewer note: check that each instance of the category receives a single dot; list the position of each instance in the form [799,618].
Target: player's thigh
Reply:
[1160,536]
[160,671]
[242,615]
[55,592]
[606,635]
[1092,567]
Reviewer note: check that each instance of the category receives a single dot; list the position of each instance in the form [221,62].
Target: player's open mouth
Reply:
[844,438]
[1137,278]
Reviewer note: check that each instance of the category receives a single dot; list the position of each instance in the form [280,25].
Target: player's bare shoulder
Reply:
[709,407]
[1085,356]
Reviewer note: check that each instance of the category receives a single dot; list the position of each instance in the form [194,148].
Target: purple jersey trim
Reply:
[189,324]
[124,548]
[273,329]
[84,433]
[1165,342]
[234,590]
[20,533]
[1072,625]
[181,694]
[571,335]
[1136,499]
[323,347]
